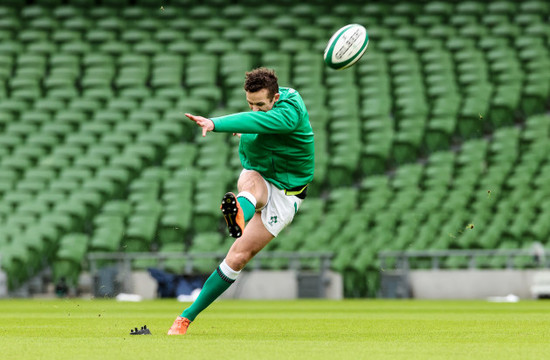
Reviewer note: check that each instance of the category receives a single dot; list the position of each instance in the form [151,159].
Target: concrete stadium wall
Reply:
[278,285]
[257,285]
[3,284]
[470,284]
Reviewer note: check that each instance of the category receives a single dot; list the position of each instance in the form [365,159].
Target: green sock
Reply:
[214,286]
[247,206]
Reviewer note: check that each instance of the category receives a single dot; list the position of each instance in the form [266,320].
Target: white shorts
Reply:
[279,210]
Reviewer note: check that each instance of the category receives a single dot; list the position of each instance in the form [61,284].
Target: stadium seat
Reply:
[14,261]
[205,242]
[69,258]
[139,233]
[107,237]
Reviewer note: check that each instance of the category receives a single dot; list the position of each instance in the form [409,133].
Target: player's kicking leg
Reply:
[254,238]
[237,210]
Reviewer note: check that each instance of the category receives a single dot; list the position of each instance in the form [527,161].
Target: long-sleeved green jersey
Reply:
[277,143]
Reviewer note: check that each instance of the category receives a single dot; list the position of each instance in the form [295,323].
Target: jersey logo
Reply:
[272,220]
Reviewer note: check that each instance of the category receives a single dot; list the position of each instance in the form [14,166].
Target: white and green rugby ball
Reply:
[346,46]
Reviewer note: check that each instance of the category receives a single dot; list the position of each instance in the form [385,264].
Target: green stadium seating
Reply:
[108,236]
[442,120]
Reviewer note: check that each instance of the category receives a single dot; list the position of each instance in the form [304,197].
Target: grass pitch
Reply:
[350,329]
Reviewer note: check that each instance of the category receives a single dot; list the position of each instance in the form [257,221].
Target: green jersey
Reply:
[277,143]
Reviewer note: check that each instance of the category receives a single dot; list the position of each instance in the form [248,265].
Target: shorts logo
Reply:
[273,220]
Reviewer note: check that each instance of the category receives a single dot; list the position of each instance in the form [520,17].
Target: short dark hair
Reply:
[262,78]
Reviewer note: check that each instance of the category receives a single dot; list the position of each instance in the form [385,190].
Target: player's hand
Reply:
[237,135]
[206,124]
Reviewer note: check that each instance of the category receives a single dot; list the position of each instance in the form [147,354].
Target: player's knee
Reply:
[250,180]
[238,261]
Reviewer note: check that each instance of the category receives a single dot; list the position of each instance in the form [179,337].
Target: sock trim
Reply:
[228,272]
[248,196]
[223,276]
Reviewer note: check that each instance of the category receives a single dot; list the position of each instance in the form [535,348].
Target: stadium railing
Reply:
[191,263]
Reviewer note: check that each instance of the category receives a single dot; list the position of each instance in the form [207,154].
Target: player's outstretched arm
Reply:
[206,124]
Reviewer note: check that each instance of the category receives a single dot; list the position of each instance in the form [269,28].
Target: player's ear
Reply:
[276,97]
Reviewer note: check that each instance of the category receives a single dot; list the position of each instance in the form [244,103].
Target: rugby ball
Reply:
[346,46]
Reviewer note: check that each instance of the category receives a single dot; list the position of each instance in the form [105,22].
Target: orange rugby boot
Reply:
[233,215]
[179,327]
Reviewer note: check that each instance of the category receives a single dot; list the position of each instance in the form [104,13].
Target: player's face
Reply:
[259,100]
